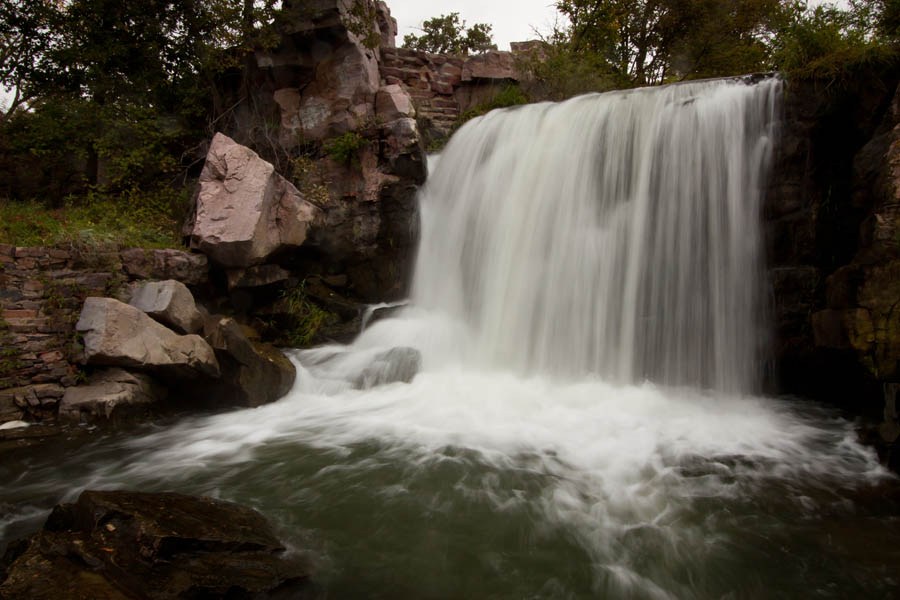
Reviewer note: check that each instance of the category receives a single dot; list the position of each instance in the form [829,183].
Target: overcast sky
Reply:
[512,20]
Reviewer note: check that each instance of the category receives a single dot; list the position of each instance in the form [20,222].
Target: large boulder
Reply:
[245,212]
[111,395]
[253,373]
[118,335]
[170,303]
[130,545]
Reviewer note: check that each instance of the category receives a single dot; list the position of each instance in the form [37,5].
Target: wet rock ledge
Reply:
[116,545]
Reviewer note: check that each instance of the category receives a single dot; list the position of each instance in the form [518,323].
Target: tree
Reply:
[27,28]
[446,34]
[131,83]
[651,41]
[827,41]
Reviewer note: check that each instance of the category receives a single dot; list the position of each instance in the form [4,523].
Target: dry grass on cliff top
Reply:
[124,220]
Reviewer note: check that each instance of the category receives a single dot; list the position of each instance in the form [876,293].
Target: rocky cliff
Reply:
[317,107]
[833,227]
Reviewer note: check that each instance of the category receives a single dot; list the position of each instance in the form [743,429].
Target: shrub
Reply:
[345,148]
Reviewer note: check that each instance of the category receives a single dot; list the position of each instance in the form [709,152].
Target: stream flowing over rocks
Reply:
[570,404]
[550,370]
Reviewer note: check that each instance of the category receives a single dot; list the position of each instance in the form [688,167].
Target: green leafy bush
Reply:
[510,95]
[345,148]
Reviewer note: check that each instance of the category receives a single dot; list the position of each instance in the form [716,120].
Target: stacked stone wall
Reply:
[443,87]
[42,291]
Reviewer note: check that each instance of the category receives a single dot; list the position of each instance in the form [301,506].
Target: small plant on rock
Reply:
[345,148]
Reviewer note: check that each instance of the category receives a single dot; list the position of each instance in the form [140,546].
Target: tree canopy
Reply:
[446,34]
[622,43]
[651,41]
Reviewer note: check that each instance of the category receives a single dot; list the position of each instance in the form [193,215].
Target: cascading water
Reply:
[614,234]
[588,310]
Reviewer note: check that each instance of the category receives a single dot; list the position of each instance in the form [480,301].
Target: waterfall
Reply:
[569,253]
[614,234]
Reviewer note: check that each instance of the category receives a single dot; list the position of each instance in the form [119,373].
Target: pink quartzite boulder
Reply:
[245,211]
[118,335]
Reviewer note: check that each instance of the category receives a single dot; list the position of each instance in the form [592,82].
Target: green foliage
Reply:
[831,43]
[509,95]
[362,23]
[306,318]
[132,219]
[655,41]
[26,29]
[117,93]
[559,71]
[345,148]
[446,34]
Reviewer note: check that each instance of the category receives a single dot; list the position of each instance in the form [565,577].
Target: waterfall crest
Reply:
[614,234]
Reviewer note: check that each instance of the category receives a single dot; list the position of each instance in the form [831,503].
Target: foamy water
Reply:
[588,310]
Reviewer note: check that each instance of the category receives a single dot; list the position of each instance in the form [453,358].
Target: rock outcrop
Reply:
[129,545]
[119,335]
[347,140]
[833,226]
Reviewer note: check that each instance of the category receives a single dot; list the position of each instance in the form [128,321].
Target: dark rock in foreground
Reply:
[129,545]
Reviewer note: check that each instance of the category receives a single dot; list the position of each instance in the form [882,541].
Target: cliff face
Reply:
[316,105]
[833,227]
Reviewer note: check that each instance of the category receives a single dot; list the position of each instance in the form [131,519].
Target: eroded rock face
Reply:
[833,225]
[245,212]
[141,263]
[170,303]
[112,545]
[258,276]
[323,79]
[111,395]
[118,335]
[490,65]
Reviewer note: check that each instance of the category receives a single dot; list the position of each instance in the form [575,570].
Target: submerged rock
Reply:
[396,365]
[118,335]
[130,545]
